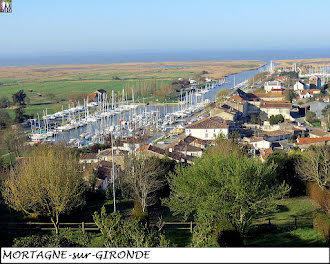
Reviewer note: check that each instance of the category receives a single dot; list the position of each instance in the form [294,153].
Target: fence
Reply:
[292,222]
[84,226]
[289,222]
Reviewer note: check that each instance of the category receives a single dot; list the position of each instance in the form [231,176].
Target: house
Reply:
[238,103]
[325,98]
[226,112]
[129,144]
[100,91]
[305,143]
[271,96]
[299,86]
[87,158]
[209,128]
[270,108]
[315,82]
[269,86]
[276,135]
[97,94]
[308,93]
[155,151]
[318,133]
[188,150]
[264,153]
[258,142]
[197,142]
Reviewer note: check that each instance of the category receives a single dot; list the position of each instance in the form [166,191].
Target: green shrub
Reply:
[138,213]
[275,119]
[204,235]
[67,238]
[44,241]
[321,224]
[208,233]
[120,232]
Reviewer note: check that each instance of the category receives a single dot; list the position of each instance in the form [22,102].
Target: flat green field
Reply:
[60,83]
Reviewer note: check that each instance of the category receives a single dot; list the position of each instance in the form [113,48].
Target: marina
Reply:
[92,122]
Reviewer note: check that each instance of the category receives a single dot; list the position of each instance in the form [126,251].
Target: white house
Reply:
[270,108]
[209,128]
[309,93]
[299,86]
[277,135]
[272,85]
[258,142]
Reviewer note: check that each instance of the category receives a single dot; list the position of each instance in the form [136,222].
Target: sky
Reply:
[43,26]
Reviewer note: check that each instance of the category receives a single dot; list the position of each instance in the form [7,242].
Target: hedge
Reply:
[321,224]
[320,196]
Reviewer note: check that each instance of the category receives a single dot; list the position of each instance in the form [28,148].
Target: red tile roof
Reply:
[275,104]
[86,156]
[268,95]
[237,99]
[311,91]
[302,141]
[142,148]
[264,153]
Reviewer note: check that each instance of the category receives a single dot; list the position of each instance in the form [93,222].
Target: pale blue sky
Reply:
[46,26]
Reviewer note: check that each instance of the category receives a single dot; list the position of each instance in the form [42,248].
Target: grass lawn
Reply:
[283,232]
[178,238]
[301,237]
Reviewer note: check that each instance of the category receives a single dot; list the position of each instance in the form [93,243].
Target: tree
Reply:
[5,119]
[326,111]
[254,119]
[285,170]
[290,95]
[144,176]
[234,136]
[229,186]
[314,165]
[77,97]
[275,119]
[222,94]
[310,117]
[47,183]
[118,232]
[19,98]
[20,115]
[13,139]
[5,102]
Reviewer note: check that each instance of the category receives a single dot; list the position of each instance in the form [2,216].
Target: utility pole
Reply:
[113,177]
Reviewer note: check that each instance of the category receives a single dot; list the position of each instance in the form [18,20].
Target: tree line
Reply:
[224,191]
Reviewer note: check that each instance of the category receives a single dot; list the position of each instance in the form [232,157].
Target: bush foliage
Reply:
[321,224]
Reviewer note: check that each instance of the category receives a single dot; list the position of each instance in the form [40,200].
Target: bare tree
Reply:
[314,166]
[13,139]
[144,176]
[47,182]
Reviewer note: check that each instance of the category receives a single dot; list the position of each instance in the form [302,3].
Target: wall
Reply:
[211,133]
[276,111]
